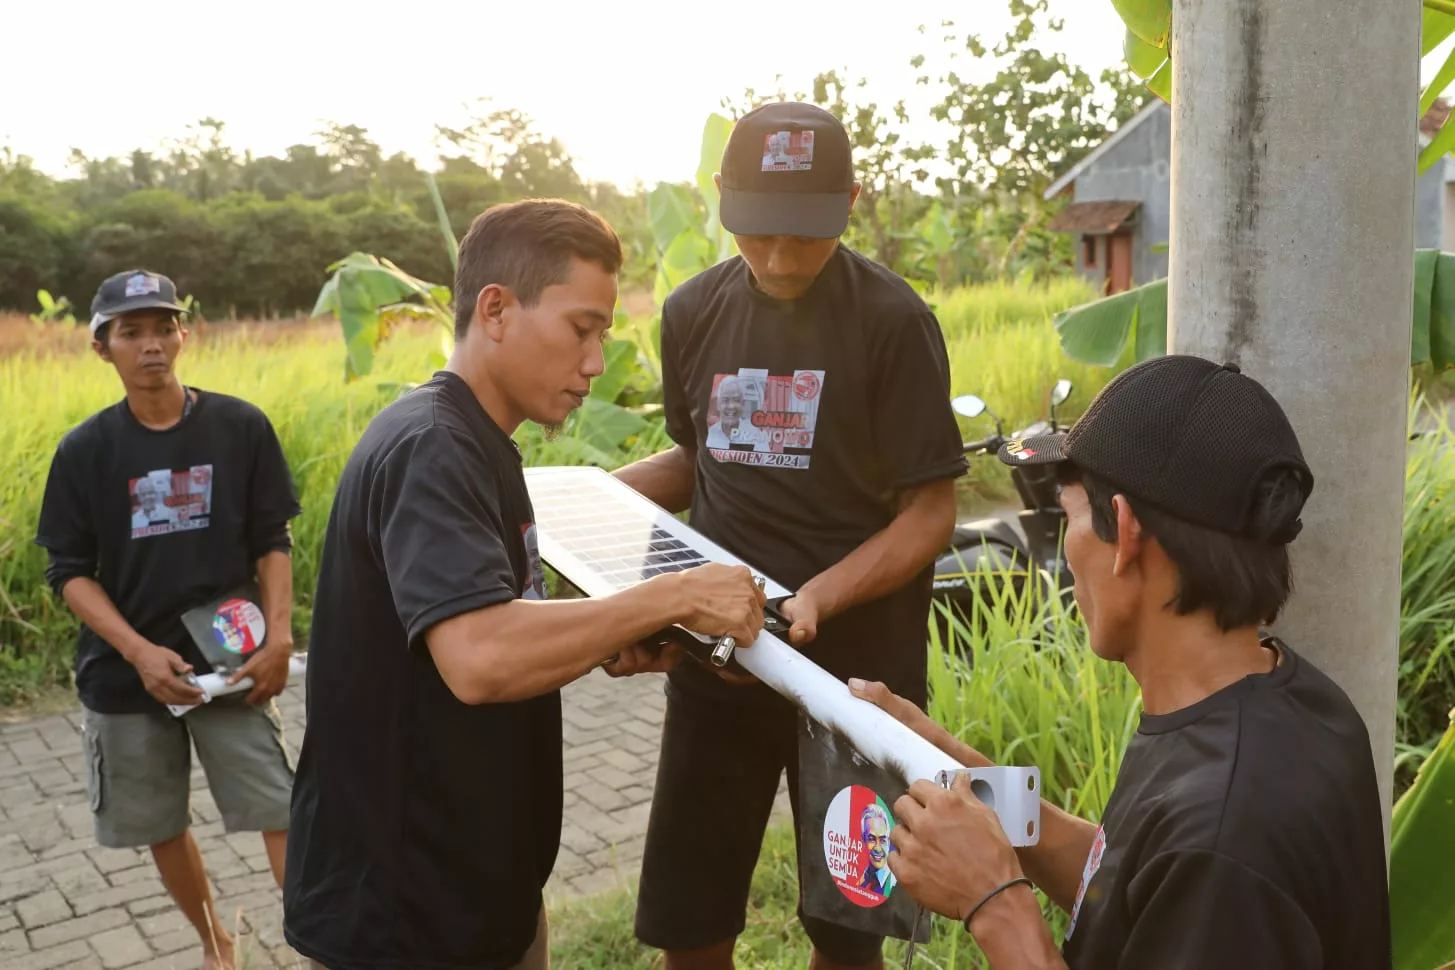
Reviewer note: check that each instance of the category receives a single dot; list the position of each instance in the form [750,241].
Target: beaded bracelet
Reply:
[991,895]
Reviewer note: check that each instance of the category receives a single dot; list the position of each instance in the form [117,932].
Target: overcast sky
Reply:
[625,85]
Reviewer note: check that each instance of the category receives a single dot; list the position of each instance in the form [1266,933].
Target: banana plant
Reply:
[1421,876]
[1098,332]
[1148,50]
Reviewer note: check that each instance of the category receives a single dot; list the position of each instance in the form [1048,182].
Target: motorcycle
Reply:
[987,554]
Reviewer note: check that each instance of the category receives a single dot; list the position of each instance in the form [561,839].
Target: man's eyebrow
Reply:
[596,316]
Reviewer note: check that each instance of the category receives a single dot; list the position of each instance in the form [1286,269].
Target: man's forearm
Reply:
[89,602]
[890,558]
[275,584]
[666,478]
[523,648]
[1012,934]
[1055,863]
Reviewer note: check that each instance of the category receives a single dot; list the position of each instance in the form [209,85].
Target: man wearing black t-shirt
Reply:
[159,504]
[1245,827]
[427,808]
[807,392]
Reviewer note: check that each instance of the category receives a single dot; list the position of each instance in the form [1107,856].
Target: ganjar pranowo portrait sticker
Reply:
[856,845]
[239,627]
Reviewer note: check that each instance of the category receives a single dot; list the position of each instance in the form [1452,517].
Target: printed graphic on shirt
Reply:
[239,626]
[759,419]
[164,501]
[537,588]
[788,151]
[1093,863]
[856,845]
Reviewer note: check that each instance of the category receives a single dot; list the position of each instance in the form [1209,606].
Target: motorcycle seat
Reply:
[974,532]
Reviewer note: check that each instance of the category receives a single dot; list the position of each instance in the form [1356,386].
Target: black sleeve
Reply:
[675,405]
[441,535]
[65,529]
[914,426]
[272,499]
[1196,910]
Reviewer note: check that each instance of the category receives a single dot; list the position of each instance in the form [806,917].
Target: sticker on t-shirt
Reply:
[755,418]
[239,626]
[1093,863]
[788,151]
[164,501]
[856,845]
[537,588]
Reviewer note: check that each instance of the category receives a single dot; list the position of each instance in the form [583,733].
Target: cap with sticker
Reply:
[787,170]
[134,289]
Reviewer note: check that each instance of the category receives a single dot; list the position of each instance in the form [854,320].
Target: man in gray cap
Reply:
[138,535]
[838,483]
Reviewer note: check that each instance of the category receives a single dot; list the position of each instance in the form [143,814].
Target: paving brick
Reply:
[17,792]
[120,947]
[114,897]
[152,904]
[623,760]
[79,878]
[91,962]
[162,923]
[41,833]
[175,940]
[78,929]
[42,909]
[114,860]
[8,922]
[14,941]
[13,852]
[602,796]
[51,957]
[69,846]
[30,751]
[147,872]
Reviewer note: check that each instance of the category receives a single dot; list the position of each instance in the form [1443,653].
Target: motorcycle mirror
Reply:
[1060,392]
[968,406]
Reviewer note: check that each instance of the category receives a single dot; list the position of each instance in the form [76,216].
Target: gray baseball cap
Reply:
[135,289]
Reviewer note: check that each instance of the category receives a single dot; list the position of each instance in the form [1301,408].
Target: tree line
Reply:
[253,236]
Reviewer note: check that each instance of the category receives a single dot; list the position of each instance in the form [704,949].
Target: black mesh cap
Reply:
[1188,436]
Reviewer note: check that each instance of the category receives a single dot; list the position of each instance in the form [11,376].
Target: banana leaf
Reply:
[1097,332]
[1422,864]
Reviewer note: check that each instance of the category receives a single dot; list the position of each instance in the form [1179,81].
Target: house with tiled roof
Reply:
[1120,200]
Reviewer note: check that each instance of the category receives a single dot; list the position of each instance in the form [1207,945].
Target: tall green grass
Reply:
[1017,699]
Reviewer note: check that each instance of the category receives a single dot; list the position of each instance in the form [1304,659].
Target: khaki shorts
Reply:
[139,767]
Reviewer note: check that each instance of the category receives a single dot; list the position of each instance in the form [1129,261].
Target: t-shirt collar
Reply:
[458,388]
[1275,678]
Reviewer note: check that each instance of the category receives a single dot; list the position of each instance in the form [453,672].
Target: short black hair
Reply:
[527,246]
[1243,581]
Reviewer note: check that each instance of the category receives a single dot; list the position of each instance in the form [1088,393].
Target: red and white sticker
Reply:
[238,625]
[856,846]
[788,151]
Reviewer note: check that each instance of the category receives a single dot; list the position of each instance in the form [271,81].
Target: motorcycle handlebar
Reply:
[991,444]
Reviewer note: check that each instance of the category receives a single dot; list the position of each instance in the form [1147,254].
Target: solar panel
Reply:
[603,537]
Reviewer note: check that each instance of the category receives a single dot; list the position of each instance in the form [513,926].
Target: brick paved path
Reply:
[67,903]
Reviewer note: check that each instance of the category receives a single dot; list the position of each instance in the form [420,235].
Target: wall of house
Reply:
[1136,167]
[1430,203]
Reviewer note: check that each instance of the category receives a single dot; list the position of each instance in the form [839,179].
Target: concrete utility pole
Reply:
[1292,253]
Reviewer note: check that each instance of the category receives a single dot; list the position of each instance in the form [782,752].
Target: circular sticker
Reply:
[805,385]
[239,627]
[856,845]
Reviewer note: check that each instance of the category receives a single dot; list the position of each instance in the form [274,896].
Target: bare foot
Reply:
[221,958]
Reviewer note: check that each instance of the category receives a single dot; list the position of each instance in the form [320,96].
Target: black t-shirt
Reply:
[423,828]
[806,417]
[164,521]
[1244,831]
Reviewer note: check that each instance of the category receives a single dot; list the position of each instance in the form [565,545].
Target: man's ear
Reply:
[101,350]
[717,180]
[854,195]
[1129,536]
[490,308]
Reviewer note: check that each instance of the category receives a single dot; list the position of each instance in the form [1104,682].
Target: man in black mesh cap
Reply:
[1245,827]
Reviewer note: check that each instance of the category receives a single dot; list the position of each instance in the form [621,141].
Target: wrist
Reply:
[1006,921]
